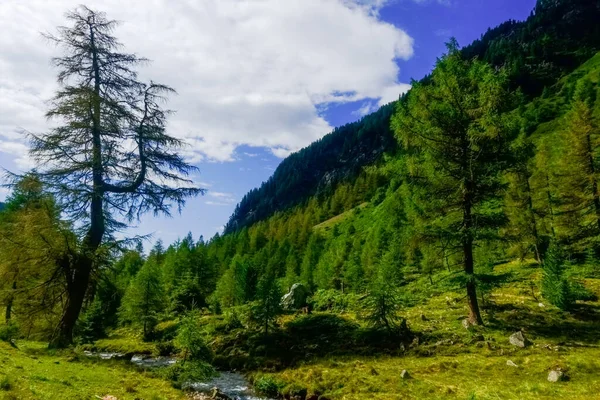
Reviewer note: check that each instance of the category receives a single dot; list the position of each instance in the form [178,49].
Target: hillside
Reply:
[444,247]
[553,41]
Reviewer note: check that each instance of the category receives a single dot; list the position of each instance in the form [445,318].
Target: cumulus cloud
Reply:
[248,72]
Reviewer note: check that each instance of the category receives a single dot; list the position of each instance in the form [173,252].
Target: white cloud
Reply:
[221,199]
[217,203]
[248,72]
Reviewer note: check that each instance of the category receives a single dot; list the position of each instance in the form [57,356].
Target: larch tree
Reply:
[523,230]
[580,168]
[109,160]
[457,137]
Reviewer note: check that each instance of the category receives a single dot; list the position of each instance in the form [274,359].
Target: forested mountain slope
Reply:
[557,37]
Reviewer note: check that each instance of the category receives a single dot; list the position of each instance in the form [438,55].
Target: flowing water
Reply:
[232,384]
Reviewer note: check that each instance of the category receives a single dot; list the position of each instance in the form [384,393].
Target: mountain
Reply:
[558,36]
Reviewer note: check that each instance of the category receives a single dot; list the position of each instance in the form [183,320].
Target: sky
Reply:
[256,79]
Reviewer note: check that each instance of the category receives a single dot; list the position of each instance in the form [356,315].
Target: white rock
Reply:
[556,376]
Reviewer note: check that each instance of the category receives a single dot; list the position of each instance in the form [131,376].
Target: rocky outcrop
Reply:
[518,339]
[296,298]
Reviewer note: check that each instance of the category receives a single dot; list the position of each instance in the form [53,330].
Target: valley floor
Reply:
[448,362]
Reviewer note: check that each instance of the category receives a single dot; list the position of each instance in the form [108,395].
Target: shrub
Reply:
[334,300]
[9,332]
[6,384]
[268,386]
[187,372]
[579,292]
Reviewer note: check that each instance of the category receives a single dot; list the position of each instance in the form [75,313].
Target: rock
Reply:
[556,376]
[518,339]
[466,323]
[296,298]
[511,364]
[405,375]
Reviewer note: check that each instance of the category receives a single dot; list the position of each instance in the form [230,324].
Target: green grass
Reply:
[454,363]
[331,222]
[33,372]
[124,341]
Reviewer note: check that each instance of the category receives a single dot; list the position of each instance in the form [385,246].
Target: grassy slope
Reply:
[32,372]
[469,368]
[464,366]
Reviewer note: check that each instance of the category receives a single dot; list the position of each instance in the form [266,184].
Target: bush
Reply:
[187,372]
[9,332]
[334,300]
[268,386]
[165,348]
[579,292]
[6,384]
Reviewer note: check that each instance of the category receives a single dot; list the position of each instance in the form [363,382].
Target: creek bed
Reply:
[232,384]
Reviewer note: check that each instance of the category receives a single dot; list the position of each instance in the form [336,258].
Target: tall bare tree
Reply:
[110,160]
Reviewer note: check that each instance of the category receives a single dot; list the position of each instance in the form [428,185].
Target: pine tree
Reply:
[458,139]
[268,298]
[108,160]
[145,298]
[555,287]
[523,229]
[310,261]
[580,169]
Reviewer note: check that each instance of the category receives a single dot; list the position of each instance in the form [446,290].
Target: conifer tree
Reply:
[523,229]
[145,298]
[110,159]
[458,138]
[268,299]
[580,168]
[555,287]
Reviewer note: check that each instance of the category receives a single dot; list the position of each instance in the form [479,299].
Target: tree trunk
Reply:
[9,303]
[474,314]
[76,290]
[538,255]
[81,273]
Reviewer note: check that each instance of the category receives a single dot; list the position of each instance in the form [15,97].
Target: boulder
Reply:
[556,376]
[296,298]
[518,339]
[405,375]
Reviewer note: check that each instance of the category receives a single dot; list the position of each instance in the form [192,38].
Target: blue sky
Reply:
[256,79]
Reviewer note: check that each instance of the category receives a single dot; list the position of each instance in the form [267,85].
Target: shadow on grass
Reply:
[581,324]
[305,338]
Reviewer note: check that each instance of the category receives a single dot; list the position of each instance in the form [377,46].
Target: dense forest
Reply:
[557,38]
[467,210]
